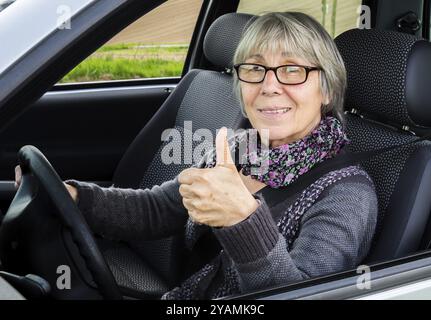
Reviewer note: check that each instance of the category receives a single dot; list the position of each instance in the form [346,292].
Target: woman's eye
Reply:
[292,70]
[256,68]
[253,69]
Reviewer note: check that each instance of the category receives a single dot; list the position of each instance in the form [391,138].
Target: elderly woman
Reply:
[290,79]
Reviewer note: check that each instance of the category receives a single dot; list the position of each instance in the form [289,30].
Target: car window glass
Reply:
[5,3]
[23,24]
[335,16]
[154,46]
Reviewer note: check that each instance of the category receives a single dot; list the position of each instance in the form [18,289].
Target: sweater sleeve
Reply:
[335,235]
[129,214]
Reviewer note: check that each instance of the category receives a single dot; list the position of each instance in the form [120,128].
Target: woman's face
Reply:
[261,99]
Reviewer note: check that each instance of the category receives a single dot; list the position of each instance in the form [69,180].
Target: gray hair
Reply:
[302,36]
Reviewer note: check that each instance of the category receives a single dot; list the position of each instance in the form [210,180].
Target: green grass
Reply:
[113,47]
[137,48]
[127,61]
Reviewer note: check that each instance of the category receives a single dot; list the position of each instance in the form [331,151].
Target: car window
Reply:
[335,16]
[5,3]
[23,24]
[154,46]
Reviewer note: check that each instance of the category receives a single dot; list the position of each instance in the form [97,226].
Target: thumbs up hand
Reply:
[217,196]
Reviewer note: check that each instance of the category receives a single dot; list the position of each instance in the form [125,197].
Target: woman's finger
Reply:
[188,176]
[185,190]
[72,191]
[18,176]
[195,217]
[192,215]
[191,191]
[188,203]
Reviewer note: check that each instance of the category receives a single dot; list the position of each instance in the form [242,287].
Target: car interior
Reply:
[386,105]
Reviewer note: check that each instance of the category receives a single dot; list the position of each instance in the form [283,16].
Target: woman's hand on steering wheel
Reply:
[71,189]
[41,185]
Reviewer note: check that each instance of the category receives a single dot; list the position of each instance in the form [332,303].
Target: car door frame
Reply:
[383,280]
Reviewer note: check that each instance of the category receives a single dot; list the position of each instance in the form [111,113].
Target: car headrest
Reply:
[388,75]
[223,36]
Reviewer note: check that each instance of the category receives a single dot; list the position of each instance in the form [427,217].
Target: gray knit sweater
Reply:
[335,232]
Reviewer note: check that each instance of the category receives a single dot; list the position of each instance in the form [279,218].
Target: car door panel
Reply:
[83,133]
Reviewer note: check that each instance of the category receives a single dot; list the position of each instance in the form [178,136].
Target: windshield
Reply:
[27,22]
[5,3]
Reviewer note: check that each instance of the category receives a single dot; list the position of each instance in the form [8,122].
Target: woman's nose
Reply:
[270,83]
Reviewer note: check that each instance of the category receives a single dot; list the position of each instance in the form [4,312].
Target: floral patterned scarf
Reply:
[284,164]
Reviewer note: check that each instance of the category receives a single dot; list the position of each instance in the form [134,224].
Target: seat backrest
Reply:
[388,97]
[202,99]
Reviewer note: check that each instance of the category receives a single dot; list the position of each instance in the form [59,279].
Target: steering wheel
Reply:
[39,174]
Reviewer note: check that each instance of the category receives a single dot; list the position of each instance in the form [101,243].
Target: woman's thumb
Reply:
[223,156]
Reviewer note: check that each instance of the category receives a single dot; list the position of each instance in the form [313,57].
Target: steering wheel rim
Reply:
[32,160]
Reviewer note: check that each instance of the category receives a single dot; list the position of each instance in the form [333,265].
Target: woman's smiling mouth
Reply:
[273,112]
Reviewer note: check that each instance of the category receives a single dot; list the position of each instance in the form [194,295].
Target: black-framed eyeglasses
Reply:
[285,74]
